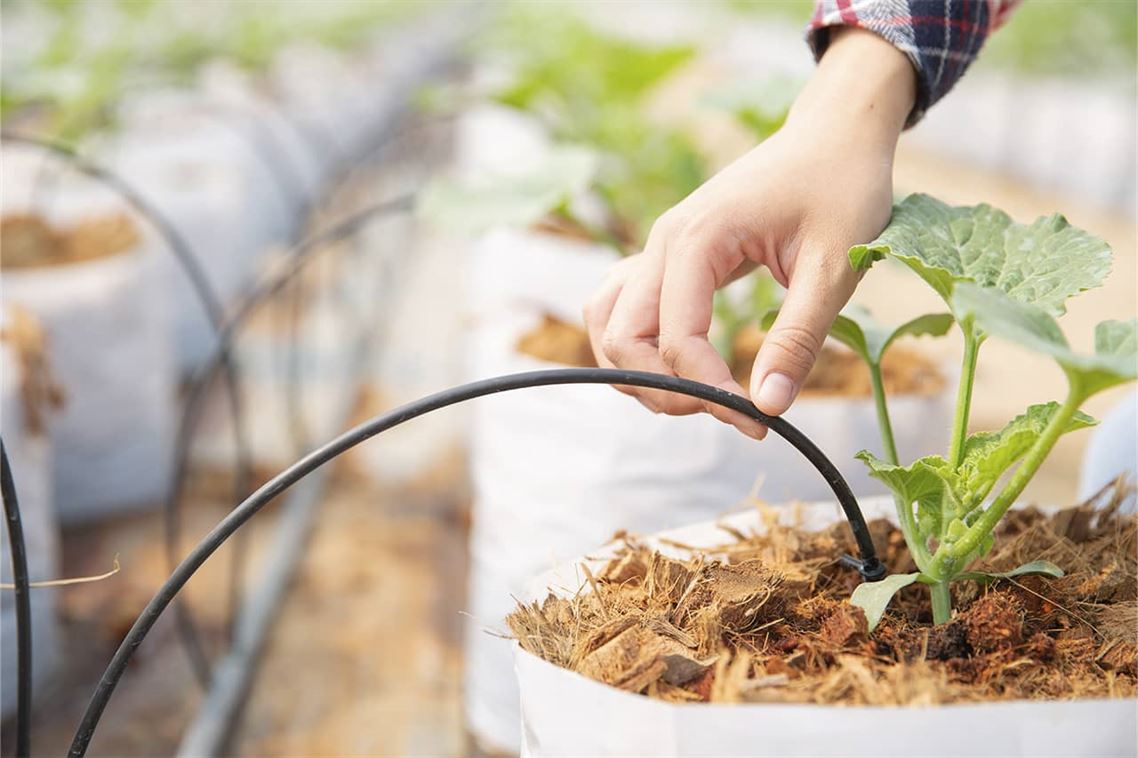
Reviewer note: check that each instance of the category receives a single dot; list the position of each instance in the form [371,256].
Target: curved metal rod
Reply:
[365,431]
[211,304]
[193,410]
[23,607]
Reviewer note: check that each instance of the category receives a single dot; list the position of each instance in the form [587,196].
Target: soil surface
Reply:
[838,372]
[766,618]
[29,241]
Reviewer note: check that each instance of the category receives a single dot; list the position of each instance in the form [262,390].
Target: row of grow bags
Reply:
[225,171]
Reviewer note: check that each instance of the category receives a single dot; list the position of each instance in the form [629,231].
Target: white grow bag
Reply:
[564,713]
[30,459]
[109,351]
[556,470]
[208,197]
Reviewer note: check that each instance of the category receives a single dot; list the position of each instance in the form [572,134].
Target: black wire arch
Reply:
[19,556]
[203,289]
[297,259]
[870,566]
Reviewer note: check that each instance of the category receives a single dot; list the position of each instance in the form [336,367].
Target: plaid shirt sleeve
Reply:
[940,37]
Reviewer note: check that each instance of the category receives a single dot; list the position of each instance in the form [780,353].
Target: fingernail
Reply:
[775,393]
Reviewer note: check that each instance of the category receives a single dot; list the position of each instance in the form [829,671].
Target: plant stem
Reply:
[942,602]
[883,422]
[964,395]
[913,539]
[1031,462]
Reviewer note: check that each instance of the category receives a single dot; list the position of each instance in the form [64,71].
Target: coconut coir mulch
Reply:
[766,619]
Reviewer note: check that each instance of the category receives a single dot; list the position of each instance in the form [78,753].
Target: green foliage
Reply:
[1042,263]
[74,75]
[761,105]
[874,597]
[589,87]
[1002,279]
[1091,39]
[1114,362]
[942,492]
[859,331]
[515,199]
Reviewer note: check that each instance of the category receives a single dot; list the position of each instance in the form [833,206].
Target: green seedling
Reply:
[999,279]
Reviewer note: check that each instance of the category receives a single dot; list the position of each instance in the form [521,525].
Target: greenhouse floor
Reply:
[366,656]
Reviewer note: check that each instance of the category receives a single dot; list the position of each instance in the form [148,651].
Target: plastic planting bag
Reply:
[234,91]
[193,125]
[565,713]
[25,441]
[103,311]
[557,470]
[207,195]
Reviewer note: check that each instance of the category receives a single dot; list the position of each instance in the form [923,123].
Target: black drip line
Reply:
[867,563]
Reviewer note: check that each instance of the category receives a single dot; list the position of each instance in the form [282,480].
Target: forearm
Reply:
[862,84]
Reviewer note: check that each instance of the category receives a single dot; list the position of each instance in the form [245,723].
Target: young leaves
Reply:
[943,493]
[1115,360]
[515,199]
[859,331]
[1042,263]
[873,597]
[760,105]
[987,455]
[1046,568]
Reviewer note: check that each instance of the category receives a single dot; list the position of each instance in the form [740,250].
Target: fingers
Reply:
[599,308]
[820,286]
[630,340]
[696,267]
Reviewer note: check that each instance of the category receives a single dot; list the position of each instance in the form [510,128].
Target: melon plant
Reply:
[1001,279]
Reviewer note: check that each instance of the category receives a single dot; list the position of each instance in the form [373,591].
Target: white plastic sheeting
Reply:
[1113,449]
[564,713]
[204,187]
[557,470]
[30,459]
[109,351]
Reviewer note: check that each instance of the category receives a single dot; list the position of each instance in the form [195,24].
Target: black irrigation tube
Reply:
[211,304]
[23,608]
[298,257]
[871,567]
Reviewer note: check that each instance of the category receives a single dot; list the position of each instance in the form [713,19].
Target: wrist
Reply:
[863,86]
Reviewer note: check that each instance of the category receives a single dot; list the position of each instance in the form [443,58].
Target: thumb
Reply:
[813,300]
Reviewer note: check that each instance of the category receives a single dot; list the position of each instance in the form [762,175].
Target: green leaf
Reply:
[517,199]
[942,493]
[760,105]
[1046,568]
[987,455]
[873,597]
[927,482]
[1042,263]
[1114,362]
[869,338]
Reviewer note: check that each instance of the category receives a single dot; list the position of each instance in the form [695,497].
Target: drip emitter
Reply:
[866,563]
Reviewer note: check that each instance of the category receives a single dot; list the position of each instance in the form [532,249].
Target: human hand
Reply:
[795,204]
